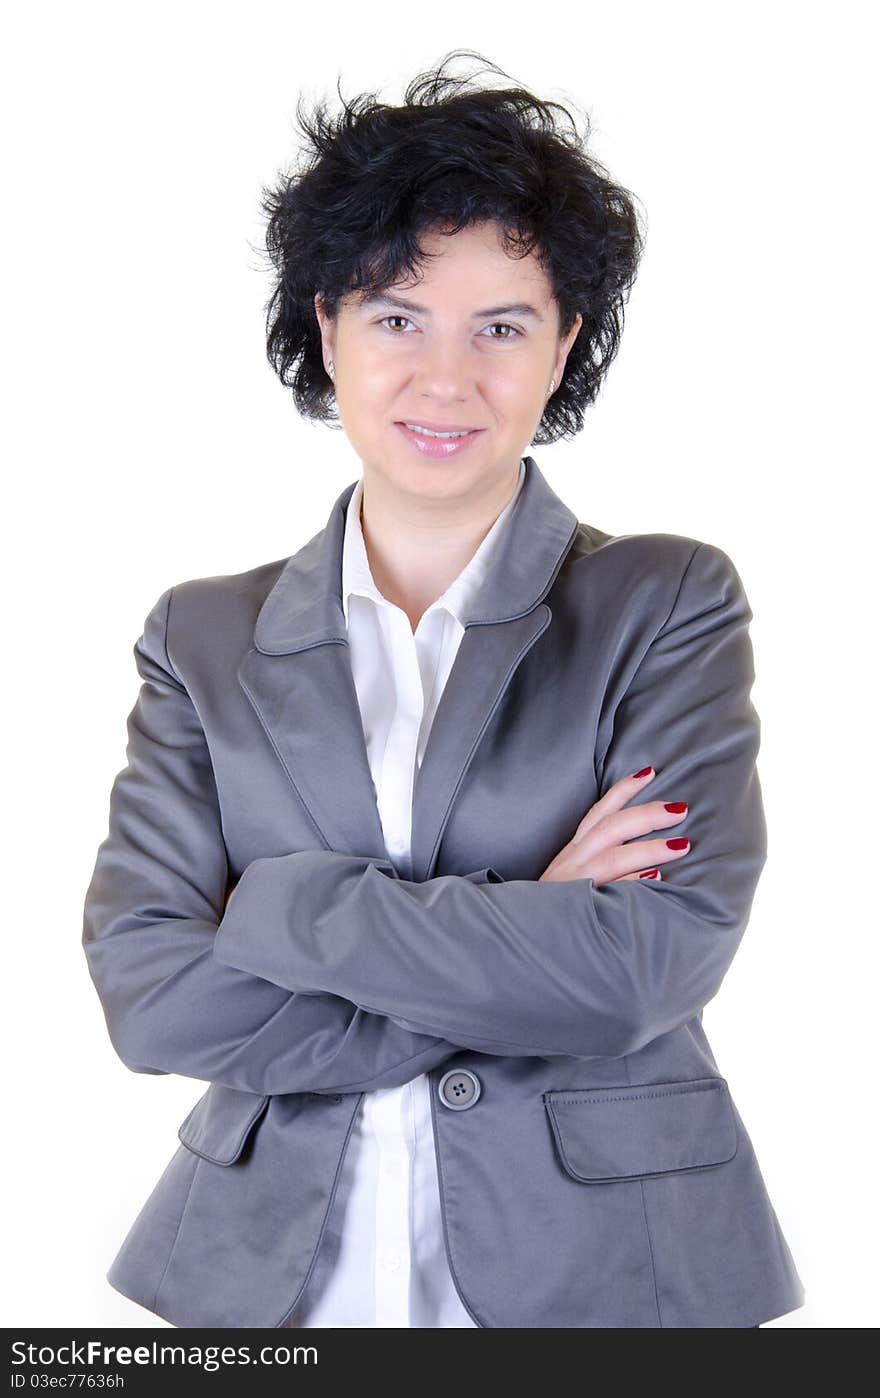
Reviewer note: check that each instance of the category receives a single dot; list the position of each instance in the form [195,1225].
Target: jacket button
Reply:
[458,1089]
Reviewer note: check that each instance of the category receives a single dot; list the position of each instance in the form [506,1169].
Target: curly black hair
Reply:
[373,179]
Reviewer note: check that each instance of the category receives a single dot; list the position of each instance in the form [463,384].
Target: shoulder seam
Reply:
[165,636]
[687,569]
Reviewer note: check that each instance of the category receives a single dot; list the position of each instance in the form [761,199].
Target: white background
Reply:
[148,441]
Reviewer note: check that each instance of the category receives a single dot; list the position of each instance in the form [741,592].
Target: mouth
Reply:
[436,441]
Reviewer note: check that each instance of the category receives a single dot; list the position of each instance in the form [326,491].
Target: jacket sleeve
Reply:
[150,920]
[540,968]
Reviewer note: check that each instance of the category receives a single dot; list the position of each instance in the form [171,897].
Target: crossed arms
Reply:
[329,973]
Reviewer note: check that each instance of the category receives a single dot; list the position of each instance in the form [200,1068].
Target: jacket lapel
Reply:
[299,680]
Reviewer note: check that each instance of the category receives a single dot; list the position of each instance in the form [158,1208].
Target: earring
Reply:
[330,367]
[552,386]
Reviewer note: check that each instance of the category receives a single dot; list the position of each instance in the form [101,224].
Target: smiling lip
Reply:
[438,426]
[439,448]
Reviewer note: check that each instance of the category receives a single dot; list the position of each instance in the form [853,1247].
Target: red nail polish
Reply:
[650,874]
[675,807]
[680,843]
[644,772]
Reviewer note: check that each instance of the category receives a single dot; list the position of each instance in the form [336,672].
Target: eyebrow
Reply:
[513,308]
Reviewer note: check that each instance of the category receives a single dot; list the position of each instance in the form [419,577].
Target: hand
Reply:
[597,850]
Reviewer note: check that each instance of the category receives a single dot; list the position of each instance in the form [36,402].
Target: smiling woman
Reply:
[450,1013]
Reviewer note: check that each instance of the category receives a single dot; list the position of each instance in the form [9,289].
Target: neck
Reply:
[417,547]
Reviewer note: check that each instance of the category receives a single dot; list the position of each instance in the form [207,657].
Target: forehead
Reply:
[484,241]
[473,267]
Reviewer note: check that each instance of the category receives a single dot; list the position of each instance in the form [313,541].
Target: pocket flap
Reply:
[218,1125]
[614,1133]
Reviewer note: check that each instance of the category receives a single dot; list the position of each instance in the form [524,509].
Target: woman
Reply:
[436,837]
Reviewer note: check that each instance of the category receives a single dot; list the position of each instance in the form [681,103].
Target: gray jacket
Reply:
[593,1167]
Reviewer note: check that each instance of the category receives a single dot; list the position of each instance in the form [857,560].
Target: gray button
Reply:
[458,1089]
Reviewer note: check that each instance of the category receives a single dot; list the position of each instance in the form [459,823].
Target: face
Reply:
[473,345]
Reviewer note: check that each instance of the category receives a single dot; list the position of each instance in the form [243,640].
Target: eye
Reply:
[497,325]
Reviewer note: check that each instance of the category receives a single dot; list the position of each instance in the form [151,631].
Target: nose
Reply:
[444,372]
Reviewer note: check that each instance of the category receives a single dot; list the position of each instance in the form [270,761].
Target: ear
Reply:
[565,346]
[327,327]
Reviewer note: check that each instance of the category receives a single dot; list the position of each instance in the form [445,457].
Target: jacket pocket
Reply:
[219,1124]
[627,1133]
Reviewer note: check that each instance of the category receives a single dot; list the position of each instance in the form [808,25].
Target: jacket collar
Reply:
[304,607]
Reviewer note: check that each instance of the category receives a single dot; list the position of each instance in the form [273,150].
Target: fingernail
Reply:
[646,771]
[650,874]
[675,807]
[678,843]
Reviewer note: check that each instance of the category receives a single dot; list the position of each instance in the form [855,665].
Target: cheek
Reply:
[365,395]
[515,389]
[374,381]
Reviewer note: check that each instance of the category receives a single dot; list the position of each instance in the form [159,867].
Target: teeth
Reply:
[426,431]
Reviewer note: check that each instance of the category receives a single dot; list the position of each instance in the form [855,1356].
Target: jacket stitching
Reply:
[630,1097]
[300,1295]
[479,738]
[161,1281]
[647,1226]
[447,1241]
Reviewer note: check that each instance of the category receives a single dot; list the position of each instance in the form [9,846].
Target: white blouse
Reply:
[382,1258]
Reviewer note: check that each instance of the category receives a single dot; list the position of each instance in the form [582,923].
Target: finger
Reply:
[615,797]
[649,875]
[618,827]
[650,854]
[614,864]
